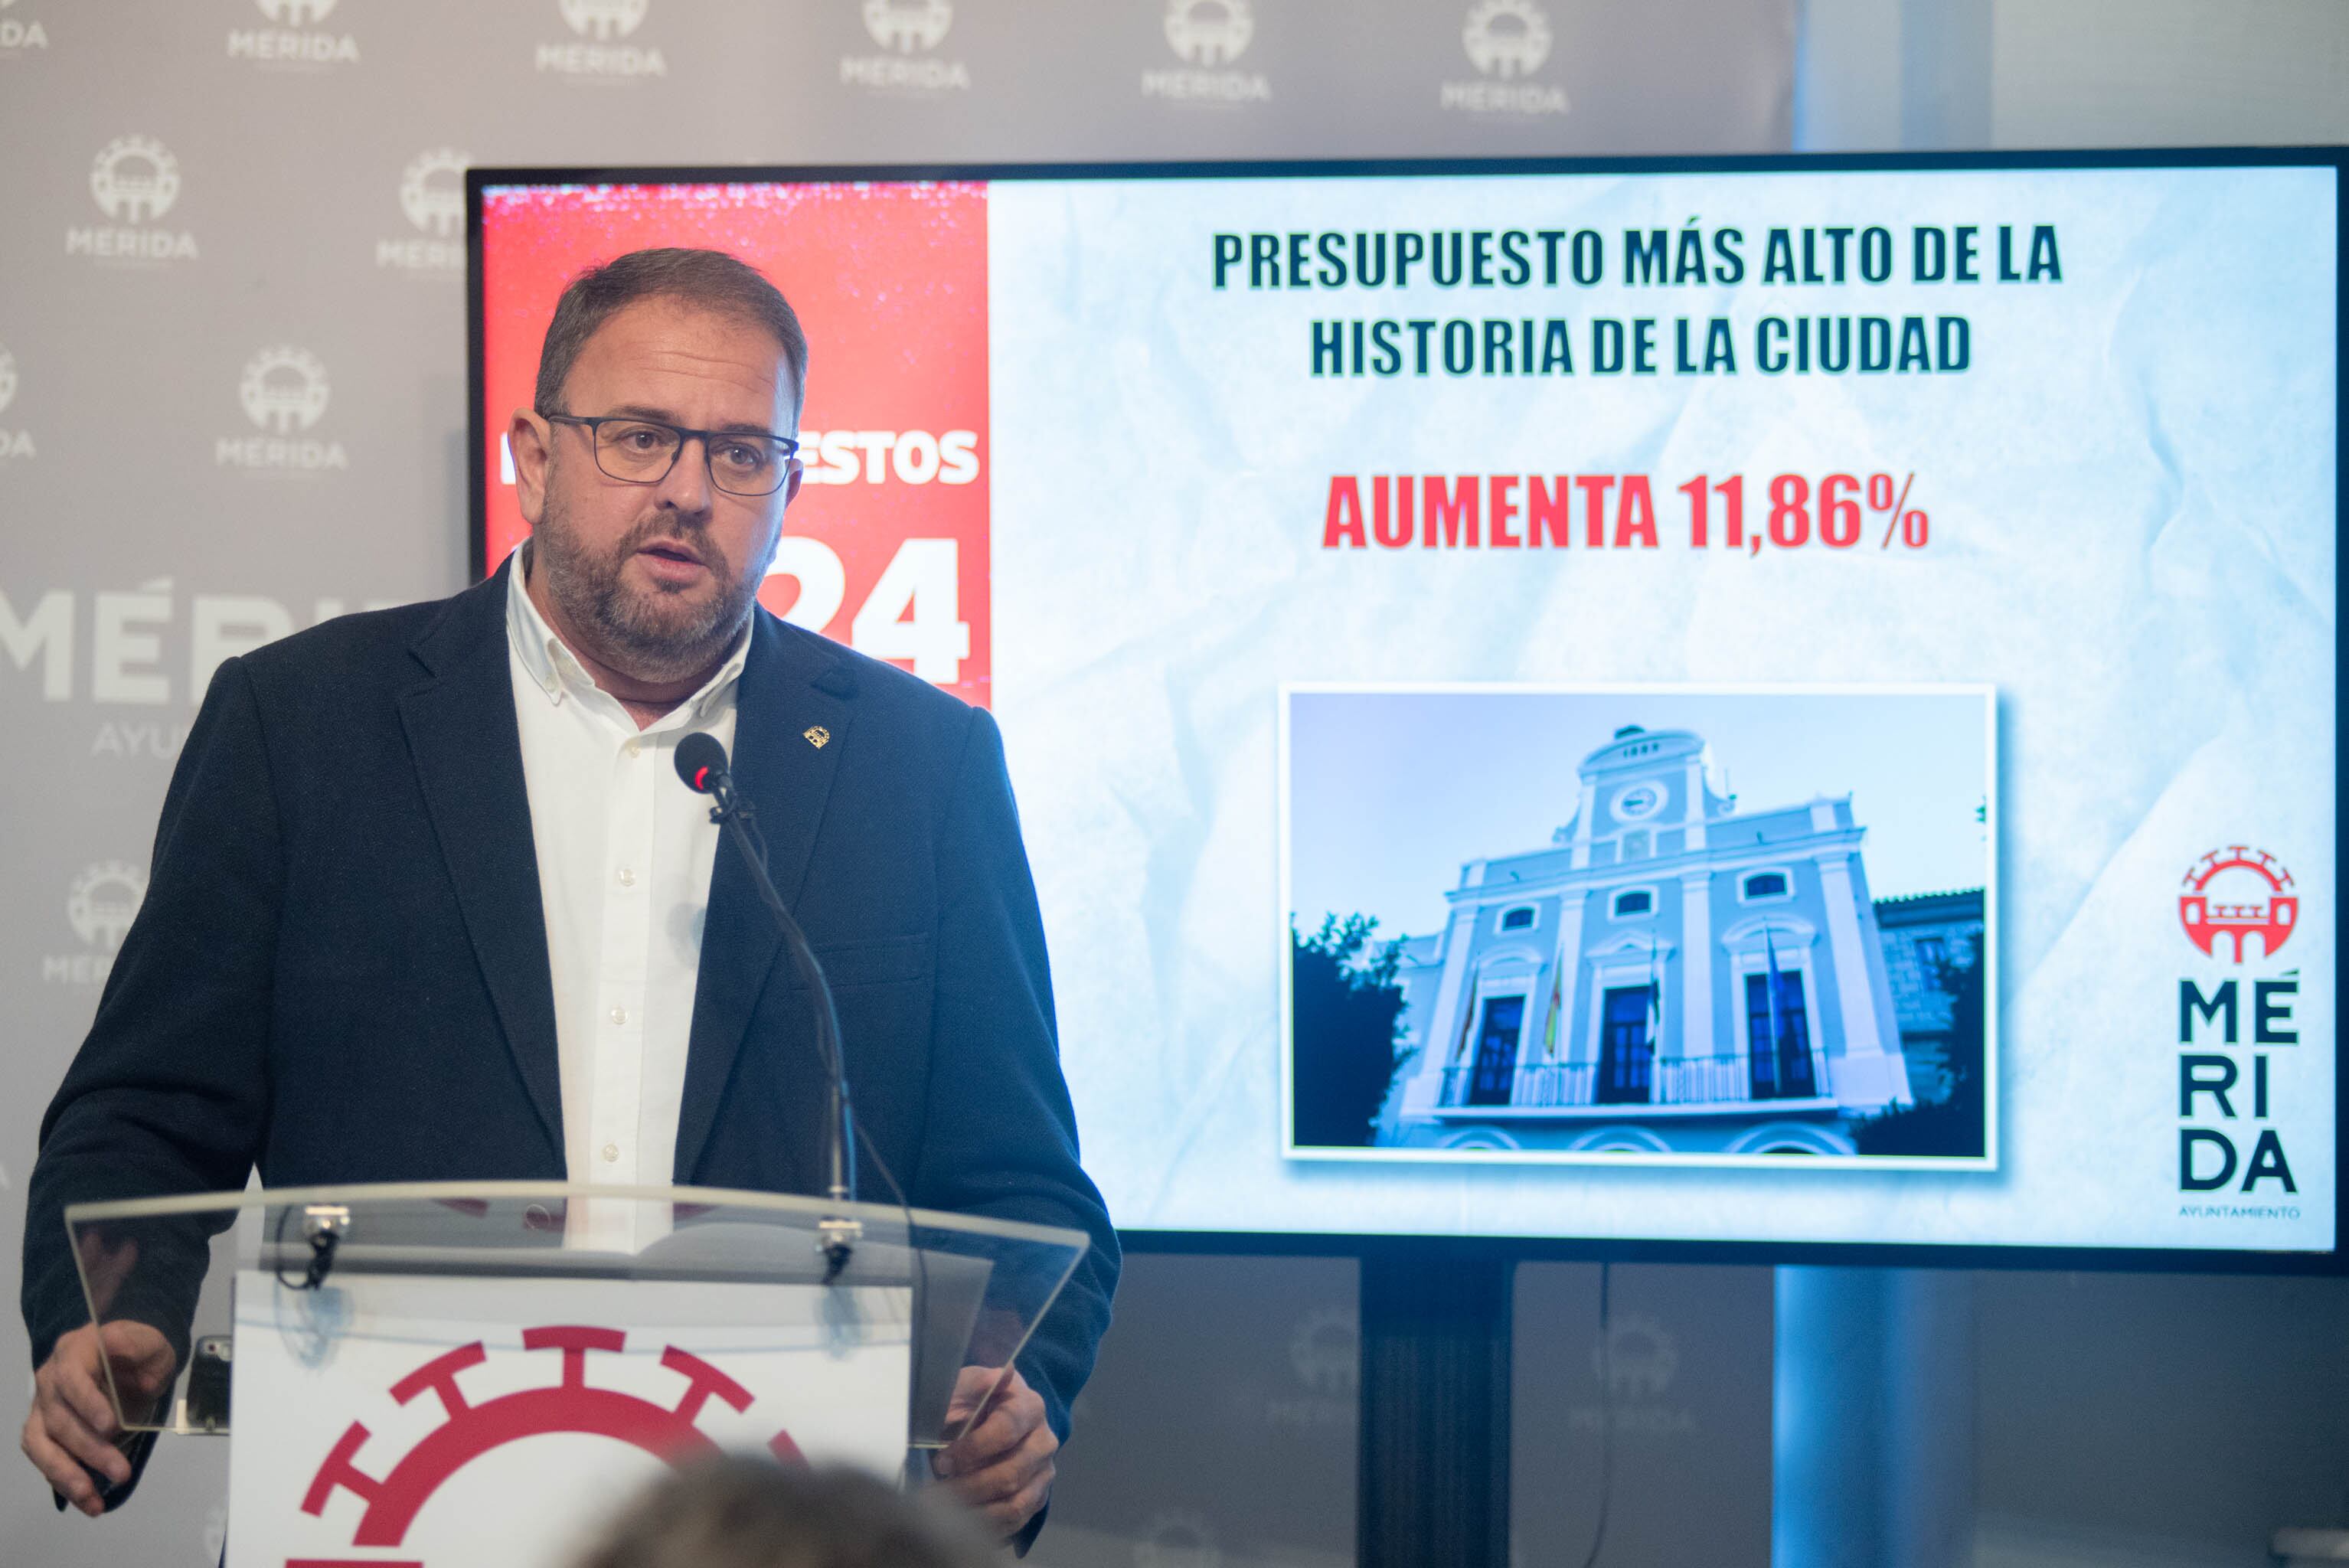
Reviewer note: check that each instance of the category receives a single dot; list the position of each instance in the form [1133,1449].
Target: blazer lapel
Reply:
[466,745]
[793,683]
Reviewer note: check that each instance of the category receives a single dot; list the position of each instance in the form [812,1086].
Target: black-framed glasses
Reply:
[642,452]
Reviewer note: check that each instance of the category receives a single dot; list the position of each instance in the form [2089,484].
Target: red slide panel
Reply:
[886,547]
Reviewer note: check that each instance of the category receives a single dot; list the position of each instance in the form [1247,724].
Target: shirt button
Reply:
[611,1153]
[619,1015]
[627,877]
[636,749]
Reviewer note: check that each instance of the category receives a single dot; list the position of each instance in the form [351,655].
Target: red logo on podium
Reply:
[573,1405]
[2209,921]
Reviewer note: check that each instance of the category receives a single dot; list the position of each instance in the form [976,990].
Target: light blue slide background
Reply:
[2132,496]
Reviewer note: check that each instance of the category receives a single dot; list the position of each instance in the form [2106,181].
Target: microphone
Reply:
[701,763]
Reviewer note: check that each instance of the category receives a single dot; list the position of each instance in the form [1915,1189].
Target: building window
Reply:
[1635,845]
[1494,1078]
[1933,958]
[1519,917]
[1627,1046]
[1778,1038]
[1634,900]
[1762,884]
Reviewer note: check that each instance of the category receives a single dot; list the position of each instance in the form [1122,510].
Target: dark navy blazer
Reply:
[340,973]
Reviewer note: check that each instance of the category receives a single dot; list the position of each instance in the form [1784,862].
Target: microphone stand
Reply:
[840,1234]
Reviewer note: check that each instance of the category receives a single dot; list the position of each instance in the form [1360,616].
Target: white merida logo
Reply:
[432,191]
[1506,38]
[283,390]
[135,179]
[1209,31]
[103,901]
[906,25]
[605,20]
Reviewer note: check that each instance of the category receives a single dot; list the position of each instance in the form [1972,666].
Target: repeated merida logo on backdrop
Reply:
[100,904]
[432,195]
[283,391]
[2239,1064]
[134,181]
[1636,1357]
[910,31]
[1508,42]
[604,21]
[139,647]
[1634,1363]
[1325,1351]
[294,40]
[135,178]
[603,49]
[1207,37]
[13,443]
[20,35]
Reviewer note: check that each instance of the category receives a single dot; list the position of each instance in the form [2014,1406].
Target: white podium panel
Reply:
[455,1422]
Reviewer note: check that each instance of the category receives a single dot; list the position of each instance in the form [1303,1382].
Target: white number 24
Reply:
[914,611]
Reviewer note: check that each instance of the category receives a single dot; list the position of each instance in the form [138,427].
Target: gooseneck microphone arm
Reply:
[701,762]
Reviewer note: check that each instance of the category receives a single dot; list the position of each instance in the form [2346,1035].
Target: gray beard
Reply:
[654,638]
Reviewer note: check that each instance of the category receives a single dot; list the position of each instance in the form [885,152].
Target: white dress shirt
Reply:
[625,854]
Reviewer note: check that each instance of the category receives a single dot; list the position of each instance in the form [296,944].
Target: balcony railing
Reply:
[1678,1080]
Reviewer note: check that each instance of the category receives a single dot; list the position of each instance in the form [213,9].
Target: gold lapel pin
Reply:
[816,736]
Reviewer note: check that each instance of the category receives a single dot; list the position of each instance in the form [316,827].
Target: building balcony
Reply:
[1681,1086]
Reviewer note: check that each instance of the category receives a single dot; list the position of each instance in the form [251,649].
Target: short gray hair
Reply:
[708,279]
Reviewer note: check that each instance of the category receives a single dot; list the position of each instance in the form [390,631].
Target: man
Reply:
[430,902]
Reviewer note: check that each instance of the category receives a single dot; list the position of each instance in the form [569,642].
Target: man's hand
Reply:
[1003,1466]
[72,1422]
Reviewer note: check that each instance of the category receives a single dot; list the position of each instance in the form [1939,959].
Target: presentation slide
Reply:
[1724,704]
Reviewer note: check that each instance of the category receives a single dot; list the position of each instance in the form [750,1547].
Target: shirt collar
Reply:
[534,642]
[555,670]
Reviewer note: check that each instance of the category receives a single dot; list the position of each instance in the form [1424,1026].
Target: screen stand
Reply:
[1436,1410]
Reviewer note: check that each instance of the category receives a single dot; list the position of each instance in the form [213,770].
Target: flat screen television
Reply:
[1769,708]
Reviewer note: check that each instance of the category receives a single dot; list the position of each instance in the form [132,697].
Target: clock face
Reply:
[1637,802]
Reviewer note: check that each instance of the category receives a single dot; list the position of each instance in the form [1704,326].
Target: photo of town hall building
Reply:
[1678,975]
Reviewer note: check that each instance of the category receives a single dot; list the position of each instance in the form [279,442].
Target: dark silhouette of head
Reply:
[745,1512]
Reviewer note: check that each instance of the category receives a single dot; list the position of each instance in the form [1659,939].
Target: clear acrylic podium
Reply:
[442,1374]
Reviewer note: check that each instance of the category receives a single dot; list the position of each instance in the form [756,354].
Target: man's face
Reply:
[656,577]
